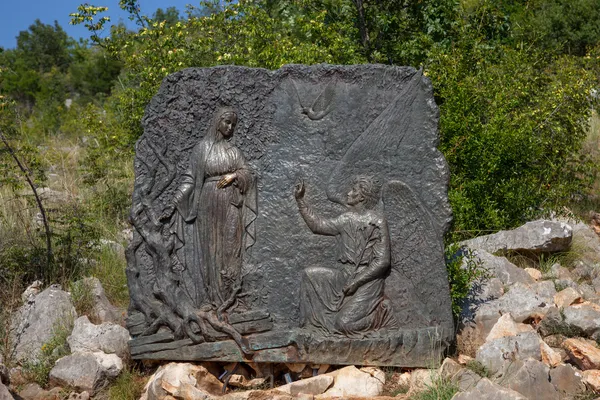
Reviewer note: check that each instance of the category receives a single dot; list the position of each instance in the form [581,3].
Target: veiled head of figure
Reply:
[226,123]
[365,190]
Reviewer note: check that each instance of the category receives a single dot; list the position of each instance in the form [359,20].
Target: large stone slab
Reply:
[498,353]
[406,348]
[531,378]
[309,202]
[489,390]
[541,236]
[38,320]
[86,371]
[107,337]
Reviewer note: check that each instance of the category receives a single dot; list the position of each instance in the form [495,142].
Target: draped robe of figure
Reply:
[215,225]
[364,258]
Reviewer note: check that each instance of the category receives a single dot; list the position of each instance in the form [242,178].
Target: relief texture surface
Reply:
[294,215]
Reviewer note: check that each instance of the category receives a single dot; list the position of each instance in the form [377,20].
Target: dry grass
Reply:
[63,156]
[128,386]
[393,387]
[467,342]
[16,217]
[79,214]
[110,270]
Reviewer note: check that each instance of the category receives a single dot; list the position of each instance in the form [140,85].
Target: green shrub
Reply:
[439,389]
[75,236]
[463,272]
[10,300]
[512,125]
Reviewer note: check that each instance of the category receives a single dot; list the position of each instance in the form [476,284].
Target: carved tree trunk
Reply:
[168,304]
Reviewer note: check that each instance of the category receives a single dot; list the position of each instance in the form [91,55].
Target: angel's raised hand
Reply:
[299,189]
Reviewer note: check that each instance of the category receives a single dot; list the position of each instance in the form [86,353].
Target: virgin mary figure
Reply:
[216,208]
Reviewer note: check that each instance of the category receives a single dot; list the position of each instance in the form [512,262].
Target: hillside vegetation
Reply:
[516,81]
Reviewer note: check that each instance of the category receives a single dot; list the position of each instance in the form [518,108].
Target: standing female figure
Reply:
[216,204]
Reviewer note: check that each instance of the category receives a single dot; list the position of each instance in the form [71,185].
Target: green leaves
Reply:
[463,273]
[43,47]
[512,124]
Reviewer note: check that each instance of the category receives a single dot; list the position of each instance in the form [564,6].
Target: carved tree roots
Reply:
[167,305]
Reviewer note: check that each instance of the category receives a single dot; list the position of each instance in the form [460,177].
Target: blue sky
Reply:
[18,15]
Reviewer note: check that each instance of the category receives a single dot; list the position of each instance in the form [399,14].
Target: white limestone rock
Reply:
[539,236]
[489,390]
[37,321]
[315,385]
[107,337]
[498,353]
[86,371]
[350,381]
[182,381]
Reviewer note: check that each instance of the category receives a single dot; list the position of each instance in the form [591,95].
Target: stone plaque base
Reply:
[409,348]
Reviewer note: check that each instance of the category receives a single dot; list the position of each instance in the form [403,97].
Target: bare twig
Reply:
[38,200]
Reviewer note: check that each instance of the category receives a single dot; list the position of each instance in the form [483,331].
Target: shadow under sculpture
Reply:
[349,299]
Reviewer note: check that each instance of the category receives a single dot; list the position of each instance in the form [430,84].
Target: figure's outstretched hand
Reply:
[226,180]
[299,189]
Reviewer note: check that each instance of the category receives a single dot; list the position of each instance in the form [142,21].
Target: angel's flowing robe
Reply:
[216,225]
[364,259]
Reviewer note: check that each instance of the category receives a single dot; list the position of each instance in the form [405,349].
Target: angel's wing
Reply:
[295,87]
[400,144]
[322,104]
[418,283]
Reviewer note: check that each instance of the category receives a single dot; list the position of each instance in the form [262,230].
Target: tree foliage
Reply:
[170,16]
[43,47]
[558,26]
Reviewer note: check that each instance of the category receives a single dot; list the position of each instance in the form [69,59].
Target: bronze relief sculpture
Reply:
[349,299]
[216,207]
[222,266]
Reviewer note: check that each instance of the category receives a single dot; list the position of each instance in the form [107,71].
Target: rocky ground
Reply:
[529,330]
